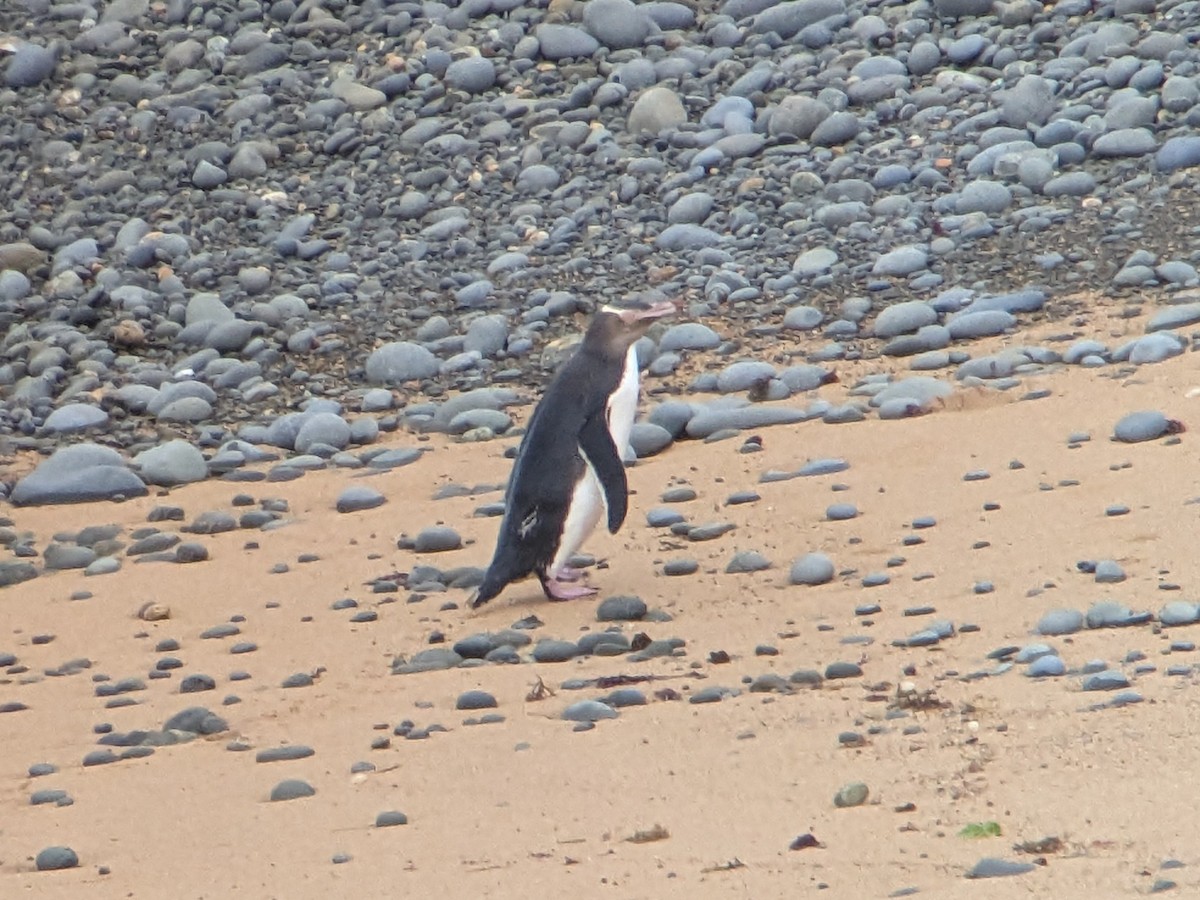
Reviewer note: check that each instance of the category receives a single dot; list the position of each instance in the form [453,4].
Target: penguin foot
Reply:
[557,589]
[569,573]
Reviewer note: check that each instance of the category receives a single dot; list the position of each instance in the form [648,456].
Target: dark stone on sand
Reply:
[292,789]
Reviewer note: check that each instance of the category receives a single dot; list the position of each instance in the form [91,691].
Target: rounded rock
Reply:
[54,858]
[811,569]
[437,539]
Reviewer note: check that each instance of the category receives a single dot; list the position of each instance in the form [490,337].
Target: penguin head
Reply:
[620,324]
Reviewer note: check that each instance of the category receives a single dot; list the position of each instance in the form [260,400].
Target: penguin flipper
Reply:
[600,451]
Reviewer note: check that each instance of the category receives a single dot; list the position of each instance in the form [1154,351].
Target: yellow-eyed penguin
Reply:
[569,469]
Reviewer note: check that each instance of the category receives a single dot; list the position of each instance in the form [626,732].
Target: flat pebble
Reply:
[992,867]
[1060,621]
[53,858]
[811,569]
[475,700]
[292,789]
[589,711]
[853,794]
[621,608]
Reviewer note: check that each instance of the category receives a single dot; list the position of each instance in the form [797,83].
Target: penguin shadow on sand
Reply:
[568,473]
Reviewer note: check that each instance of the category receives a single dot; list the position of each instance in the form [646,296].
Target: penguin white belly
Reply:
[587,500]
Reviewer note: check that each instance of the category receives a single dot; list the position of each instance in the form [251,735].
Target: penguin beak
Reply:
[649,313]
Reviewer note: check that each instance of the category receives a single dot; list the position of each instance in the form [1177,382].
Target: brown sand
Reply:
[530,808]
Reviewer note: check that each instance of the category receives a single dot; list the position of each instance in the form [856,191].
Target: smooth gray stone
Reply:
[1030,300]
[689,336]
[663,517]
[621,608]
[902,261]
[429,660]
[475,700]
[1049,666]
[708,421]
[390,819]
[747,561]
[322,428]
[826,466]
[400,361]
[173,463]
[1108,680]
[836,670]
[1060,621]
[1178,152]
[78,474]
[904,318]
[648,439]
[196,720]
[1179,612]
[74,418]
[742,376]
[984,323]
[549,650]
[656,109]
[53,858]
[1144,425]
[68,556]
[922,389]
[1172,317]
[359,497]
[473,74]
[692,208]
[394,459]
[30,65]
[558,42]
[1108,614]
[675,567]
[1109,572]
[687,237]
[292,789]
[1124,142]
[617,24]
[283,754]
[1152,348]
[437,539]
[589,711]
[811,569]
[992,867]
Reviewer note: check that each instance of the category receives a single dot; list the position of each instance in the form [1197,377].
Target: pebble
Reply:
[173,463]
[1107,680]
[357,498]
[992,867]
[853,794]
[746,561]
[621,608]
[475,700]
[589,711]
[554,651]
[437,539]
[54,858]
[1145,425]
[292,789]
[390,818]
[279,754]
[1059,622]
[76,474]
[811,569]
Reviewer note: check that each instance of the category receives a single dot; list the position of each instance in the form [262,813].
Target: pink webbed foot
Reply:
[557,589]
[569,573]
